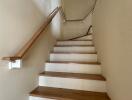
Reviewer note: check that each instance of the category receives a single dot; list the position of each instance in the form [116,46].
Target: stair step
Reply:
[85,37]
[73,75]
[75,49]
[74,43]
[74,62]
[73,67]
[91,45]
[74,40]
[73,57]
[77,81]
[73,52]
[50,93]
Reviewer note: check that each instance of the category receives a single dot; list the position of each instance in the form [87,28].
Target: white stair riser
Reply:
[74,57]
[75,43]
[85,38]
[38,98]
[74,49]
[73,68]
[71,83]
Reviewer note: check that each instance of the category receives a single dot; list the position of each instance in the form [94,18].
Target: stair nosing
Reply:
[84,40]
[74,45]
[98,77]
[56,46]
[74,40]
[67,62]
[73,52]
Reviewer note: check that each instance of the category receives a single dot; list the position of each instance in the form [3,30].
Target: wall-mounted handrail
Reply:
[37,34]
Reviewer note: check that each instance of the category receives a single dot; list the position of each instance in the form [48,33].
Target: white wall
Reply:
[112,23]
[19,19]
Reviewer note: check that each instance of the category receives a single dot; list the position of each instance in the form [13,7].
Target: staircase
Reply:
[72,73]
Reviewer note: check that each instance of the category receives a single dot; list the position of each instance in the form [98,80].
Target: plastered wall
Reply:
[112,28]
[76,28]
[19,19]
[75,10]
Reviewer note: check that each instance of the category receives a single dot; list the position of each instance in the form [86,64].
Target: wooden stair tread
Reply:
[74,40]
[80,36]
[86,40]
[73,75]
[67,94]
[74,52]
[76,62]
[74,45]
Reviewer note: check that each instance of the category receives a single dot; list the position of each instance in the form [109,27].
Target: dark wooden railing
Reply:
[28,45]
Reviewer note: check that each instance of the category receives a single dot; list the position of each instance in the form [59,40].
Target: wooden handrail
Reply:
[37,34]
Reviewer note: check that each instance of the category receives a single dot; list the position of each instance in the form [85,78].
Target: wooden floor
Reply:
[73,75]
[67,94]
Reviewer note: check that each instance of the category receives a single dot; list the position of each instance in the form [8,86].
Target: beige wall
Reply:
[113,37]
[57,22]
[76,28]
[74,10]
[77,9]
[19,19]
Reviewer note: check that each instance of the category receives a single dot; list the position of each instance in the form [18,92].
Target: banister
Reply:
[20,54]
